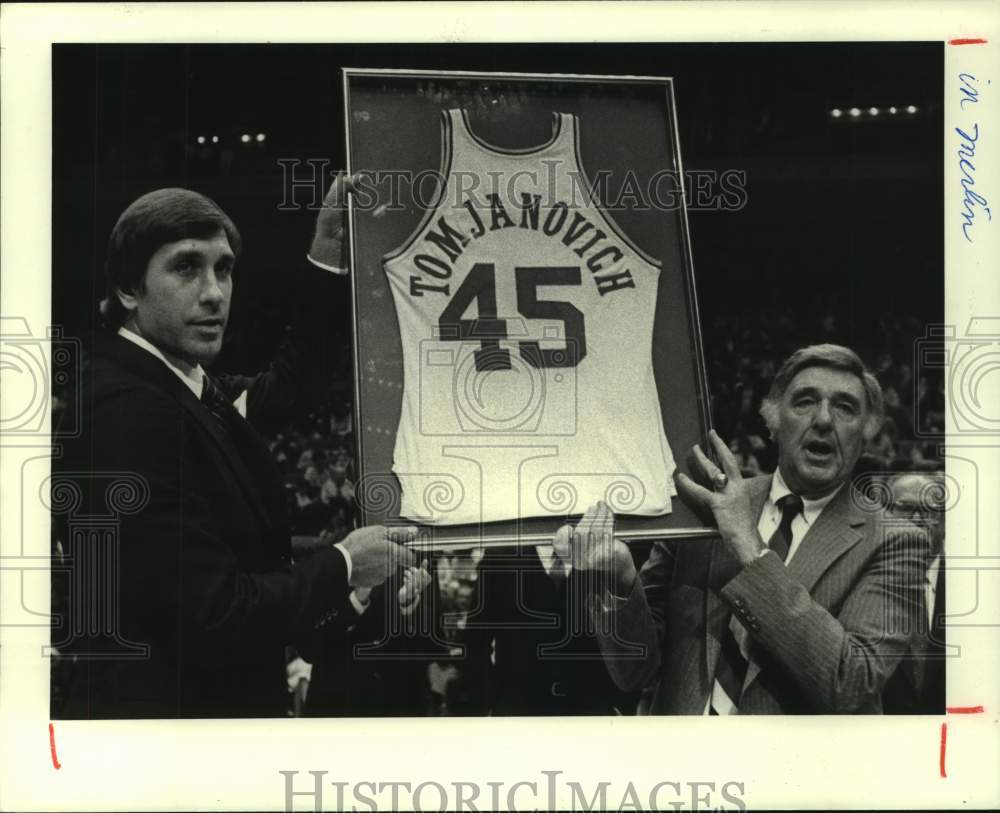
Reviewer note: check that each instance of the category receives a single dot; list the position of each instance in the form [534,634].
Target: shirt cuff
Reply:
[335,269]
[347,558]
[359,605]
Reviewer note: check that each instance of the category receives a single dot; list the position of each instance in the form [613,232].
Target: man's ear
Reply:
[872,426]
[127,298]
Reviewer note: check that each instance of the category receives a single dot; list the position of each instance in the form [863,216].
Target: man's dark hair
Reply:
[157,218]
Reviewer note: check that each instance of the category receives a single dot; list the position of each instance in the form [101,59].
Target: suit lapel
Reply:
[225,443]
[837,529]
[151,369]
[834,532]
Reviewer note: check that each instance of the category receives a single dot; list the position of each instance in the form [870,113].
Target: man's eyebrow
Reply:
[187,254]
[803,389]
[197,254]
[847,396]
[808,389]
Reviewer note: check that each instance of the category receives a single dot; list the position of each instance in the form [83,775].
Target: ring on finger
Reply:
[720,480]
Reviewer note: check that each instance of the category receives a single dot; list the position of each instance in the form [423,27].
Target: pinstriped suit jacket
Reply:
[826,631]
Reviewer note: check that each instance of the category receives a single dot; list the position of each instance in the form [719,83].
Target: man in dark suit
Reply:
[373,662]
[199,565]
[527,647]
[806,602]
[918,684]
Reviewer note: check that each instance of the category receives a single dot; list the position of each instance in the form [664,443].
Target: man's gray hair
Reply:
[833,356]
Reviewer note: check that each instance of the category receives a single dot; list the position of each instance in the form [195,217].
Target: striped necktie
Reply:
[732,668]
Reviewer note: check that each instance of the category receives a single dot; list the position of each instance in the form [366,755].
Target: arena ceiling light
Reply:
[867,113]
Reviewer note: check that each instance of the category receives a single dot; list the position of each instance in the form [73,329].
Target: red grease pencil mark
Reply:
[944,730]
[52,747]
[969,41]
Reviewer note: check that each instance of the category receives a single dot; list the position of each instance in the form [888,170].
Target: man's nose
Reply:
[211,290]
[823,417]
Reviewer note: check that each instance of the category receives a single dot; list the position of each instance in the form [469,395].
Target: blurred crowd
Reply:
[316,459]
[744,349]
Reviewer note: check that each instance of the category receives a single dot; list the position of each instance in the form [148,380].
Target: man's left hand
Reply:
[729,502]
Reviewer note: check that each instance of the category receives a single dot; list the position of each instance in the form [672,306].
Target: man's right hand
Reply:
[376,553]
[329,243]
[591,545]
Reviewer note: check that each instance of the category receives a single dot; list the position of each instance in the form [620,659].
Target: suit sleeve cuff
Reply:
[326,267]
[764,576]
[347,558]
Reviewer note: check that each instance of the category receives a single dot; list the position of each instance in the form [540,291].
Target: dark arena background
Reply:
[840,236]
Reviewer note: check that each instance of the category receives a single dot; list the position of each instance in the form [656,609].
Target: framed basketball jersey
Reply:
[525,319]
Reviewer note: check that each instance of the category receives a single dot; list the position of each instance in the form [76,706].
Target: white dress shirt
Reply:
[770,517]
[340,272]
[194,381]
[930,588]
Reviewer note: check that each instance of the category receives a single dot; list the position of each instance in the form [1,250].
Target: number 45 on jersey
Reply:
[488,328]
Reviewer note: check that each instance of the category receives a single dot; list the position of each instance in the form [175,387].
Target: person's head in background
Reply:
[921,497]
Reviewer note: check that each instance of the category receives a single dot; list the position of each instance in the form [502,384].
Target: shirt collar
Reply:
[193,381]
[811,509]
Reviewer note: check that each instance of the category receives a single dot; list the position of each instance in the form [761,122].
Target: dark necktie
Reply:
[216,402]
[781,539]
[249,448]
[732,668]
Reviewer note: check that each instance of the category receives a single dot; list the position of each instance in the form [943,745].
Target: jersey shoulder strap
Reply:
[447,159]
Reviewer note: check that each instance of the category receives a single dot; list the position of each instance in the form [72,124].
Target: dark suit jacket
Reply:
[375,664]
[544,659]
[826,631]
[918,684]
[203,576]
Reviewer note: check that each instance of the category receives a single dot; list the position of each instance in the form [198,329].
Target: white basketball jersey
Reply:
[526,319]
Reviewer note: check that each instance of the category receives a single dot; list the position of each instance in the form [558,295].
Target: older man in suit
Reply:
[805,603]
[918,685]
[208,596]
